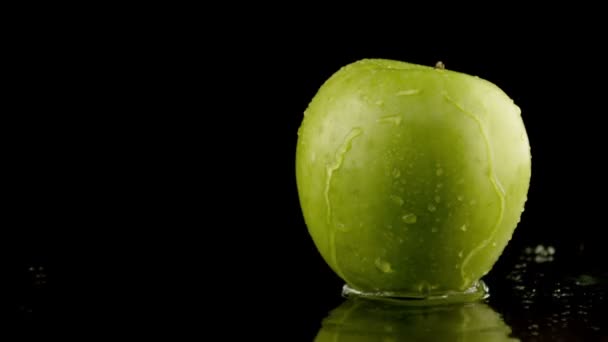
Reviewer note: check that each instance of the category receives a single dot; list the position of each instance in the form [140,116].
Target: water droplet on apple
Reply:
[437,199]
[408,92]
[409,218]
[463,227]
[424,288]
[397,200]
[394,119]
[383,266]
[431,208]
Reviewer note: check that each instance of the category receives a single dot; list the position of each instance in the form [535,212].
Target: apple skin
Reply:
[411,179]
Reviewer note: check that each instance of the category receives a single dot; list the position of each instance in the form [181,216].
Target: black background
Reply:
[147,168]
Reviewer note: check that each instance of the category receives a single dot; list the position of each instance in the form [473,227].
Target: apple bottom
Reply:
[478,291]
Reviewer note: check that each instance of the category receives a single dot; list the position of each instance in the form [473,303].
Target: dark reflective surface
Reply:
[535,296]
[361,319]
[550,297]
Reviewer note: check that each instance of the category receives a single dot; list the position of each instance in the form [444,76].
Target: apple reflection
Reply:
[361,319]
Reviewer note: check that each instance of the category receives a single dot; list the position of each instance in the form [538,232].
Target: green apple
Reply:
[411,178]
[371,320]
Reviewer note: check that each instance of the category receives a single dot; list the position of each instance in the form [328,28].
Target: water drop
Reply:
[460,198]
[586,280]
[394,119]
[409,218]
[397,200]
[431,208]
[540,249]
[396,173]
[408,92]
[437,199]
[463,227]
[460,254]
[383,266]
[493,244]
[439,171]
[424,288]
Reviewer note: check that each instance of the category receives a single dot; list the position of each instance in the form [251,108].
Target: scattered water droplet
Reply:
[439,172]
[439,185]
[383,266]
[586,280]
[460,254]
[437,199]
[460,198]
[409,218]
[493,244]
[397,200]
[431,208]
[463,227]
[396,173]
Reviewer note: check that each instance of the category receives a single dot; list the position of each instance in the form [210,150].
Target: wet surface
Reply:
[545,298]
[535,297]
